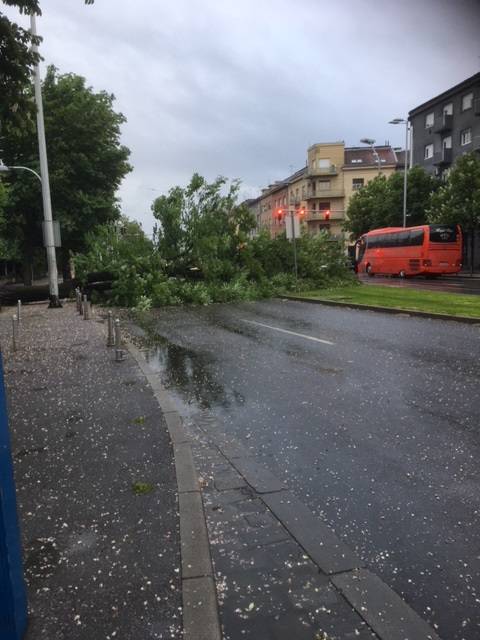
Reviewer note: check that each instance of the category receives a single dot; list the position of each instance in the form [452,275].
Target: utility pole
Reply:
[292,219]
[47,203]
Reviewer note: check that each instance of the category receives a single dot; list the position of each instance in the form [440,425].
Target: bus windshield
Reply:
[443,233]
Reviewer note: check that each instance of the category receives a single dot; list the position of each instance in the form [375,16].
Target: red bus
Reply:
[433,250]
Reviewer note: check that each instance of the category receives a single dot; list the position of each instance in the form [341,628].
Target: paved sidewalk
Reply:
[95,483]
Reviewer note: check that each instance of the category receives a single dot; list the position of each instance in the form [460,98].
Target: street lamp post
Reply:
[47,203]
[405,172]
[371,143]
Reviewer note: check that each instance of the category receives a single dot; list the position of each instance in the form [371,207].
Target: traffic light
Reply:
[279,213]
[327,214]
[301,213]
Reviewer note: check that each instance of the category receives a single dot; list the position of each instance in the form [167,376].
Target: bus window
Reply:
[443,233]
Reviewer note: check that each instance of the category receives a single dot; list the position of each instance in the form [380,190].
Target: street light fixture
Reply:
[407,131]
[5,169]
[49,233]
[371,143]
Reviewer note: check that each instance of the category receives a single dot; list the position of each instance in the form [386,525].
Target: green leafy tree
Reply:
[202,228]
[368,208]
[16,63]
[87,163]
[457,201]
[380,202]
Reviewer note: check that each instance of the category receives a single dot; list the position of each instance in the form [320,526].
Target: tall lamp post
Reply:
[407,131]
[371,143]
[47,203]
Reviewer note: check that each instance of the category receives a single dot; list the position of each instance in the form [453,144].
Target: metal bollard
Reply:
[86,310]
[119,352]
[19,309]
[110,337]
[14,332]
[82,305]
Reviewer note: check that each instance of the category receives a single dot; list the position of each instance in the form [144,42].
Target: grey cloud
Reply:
[242,88]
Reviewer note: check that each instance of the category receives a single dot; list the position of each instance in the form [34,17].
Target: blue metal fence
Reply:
[13,597]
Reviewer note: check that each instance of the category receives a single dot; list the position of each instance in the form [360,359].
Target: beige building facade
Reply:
[320,192]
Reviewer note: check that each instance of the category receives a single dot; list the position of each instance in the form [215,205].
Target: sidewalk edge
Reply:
[391,310]
[200,614]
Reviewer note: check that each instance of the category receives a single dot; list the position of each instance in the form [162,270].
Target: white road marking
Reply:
[292,333]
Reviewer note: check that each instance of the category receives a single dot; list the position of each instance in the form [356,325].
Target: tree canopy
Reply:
[202,228]
[87,163]
[16,62]
[380,202]
[458,199]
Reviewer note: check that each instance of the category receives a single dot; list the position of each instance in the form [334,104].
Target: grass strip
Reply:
[400,298]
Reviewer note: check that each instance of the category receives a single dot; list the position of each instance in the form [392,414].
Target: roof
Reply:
[357,157]
[446,94]
[400,153]
[375,232]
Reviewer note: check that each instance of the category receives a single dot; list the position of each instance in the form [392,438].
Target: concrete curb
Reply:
[200,609]
[391,310]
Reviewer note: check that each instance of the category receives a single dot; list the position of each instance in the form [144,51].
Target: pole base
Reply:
[54,302]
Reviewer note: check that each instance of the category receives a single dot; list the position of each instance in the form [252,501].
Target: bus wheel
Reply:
[402,274]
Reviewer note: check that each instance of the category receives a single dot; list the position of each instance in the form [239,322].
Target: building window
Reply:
[428,151]
[467,101]
[447,142]
[314,206]
[323,163]
[448,109]
[284,199]
[465,136]
[357,183]
[429,120]
[323,185]
[324,206]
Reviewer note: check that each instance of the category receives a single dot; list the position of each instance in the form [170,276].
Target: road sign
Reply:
[13,597]
[288,226]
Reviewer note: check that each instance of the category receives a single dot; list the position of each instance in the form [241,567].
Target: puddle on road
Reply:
[189,376]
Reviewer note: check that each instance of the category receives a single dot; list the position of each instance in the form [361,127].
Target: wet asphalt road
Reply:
[448,284]
[378,432]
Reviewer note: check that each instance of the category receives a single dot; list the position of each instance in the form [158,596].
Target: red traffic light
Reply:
[327,215]
[301,213]
[279,213]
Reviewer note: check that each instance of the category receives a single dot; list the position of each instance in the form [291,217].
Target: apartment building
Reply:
[447,126]
[322,189]
[362,164]
[324,194]
[444,128]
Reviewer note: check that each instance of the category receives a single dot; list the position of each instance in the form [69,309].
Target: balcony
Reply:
[443,158]
[444,124]
[324,193]
[320,215]
[476,106]
[332,170]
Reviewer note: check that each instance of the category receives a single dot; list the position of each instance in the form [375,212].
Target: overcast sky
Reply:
[241,88]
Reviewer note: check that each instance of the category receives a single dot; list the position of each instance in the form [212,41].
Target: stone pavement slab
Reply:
[95,481]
